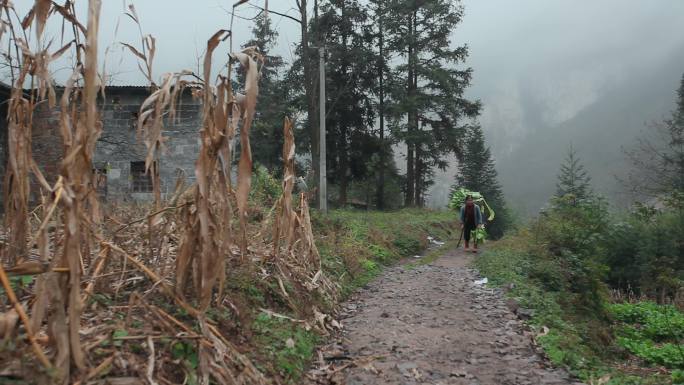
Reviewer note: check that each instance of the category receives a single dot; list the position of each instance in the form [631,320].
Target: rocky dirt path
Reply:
[432,324]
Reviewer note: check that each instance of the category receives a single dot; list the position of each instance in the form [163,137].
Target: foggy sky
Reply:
[552,73]
[587,72]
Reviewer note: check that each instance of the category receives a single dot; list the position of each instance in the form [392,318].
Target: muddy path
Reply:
[432,324]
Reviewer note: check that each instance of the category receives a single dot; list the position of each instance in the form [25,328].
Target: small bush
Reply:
[266,189]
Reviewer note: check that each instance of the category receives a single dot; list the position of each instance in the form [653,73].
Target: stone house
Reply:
[119,159]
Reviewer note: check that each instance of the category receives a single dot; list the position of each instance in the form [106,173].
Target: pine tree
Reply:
[384,155]
[658,158]
[428,93]
[349,81]
[477,172]
[573,180]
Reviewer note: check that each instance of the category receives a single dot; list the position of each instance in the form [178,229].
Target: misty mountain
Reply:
[599,131]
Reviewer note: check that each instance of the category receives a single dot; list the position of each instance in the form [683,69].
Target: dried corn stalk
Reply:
[248,105]
[80,129]
[205,219]
[297,259]
[286,218]
[73,192]
[32,67]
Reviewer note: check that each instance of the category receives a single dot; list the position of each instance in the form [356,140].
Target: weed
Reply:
[289,345]
[573,340]
[652,332]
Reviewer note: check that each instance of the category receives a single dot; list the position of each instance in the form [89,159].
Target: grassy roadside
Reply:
[626,344]
[354,247]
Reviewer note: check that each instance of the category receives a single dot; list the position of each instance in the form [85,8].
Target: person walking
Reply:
[471,219]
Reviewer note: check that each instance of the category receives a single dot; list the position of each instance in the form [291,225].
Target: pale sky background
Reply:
[548,72]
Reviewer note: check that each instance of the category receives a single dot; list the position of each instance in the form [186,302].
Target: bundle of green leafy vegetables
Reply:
[458,197]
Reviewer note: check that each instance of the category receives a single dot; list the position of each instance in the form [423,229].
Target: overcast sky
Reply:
[562,54]
[539,65]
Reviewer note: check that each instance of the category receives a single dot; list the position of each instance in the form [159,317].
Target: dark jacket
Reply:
[478,215]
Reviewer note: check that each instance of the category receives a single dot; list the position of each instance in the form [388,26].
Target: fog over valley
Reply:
[551,74]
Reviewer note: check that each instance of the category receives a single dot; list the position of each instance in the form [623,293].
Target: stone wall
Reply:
[120,150]
[4,96]
[3,152]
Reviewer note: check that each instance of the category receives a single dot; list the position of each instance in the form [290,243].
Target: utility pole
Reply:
[322,183]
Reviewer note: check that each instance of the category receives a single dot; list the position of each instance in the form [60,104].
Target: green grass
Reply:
[590,345]
[355,245]
[433,254]
[288,346]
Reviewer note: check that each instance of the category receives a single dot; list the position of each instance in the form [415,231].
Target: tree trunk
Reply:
[310,90]
[418,174]
[343,147]
[412,120]
[419,177]
[380,191]
[344,179]
[410,177]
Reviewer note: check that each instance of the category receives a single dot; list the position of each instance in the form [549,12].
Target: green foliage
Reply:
[644,254]
[288,344]
[18,283]
[561,265]
[576,338]
[266,188]
[350,75]
[667,354]
[657,322]
[652,332]
[354,245]
[407,245]
[572,236]
[477,172]
[479,234]
[118,333]
[459,195]
[657,159]
[186,352]
[573,180]
[678,377]
[428,82]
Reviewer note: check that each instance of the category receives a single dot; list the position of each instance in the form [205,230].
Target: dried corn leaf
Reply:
[42,10]
[8,320]
[248,105]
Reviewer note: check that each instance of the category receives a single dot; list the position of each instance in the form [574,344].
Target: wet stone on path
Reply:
[433,324]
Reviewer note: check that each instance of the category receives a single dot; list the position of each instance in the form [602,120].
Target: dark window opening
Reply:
[140,181]
[134,119]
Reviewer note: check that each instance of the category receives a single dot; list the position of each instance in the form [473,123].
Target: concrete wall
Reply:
[120,145]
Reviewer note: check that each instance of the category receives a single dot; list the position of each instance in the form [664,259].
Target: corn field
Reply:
[166,266]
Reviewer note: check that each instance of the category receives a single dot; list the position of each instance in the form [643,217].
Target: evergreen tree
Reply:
[477,172]
[658,158]
[384,155]
[350,111]
[428,91]
[573,180]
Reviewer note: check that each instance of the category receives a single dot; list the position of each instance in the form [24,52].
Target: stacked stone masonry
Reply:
[120,151]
